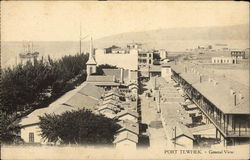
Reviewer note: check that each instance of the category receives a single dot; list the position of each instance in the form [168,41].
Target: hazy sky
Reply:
[60,20]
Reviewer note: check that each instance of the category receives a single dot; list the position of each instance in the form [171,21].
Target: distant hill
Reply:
[234,32]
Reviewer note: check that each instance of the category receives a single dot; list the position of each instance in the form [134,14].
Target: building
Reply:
[145,58]
[224,60]
[128,115]
[91,64]
[118,57]
[87,97]
[222,101]
[163,54]
[166,72]
[238,54]
[126,140]
[130,126]
[134,45]
[109,110]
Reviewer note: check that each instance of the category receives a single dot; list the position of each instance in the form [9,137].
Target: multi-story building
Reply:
[238,54]
[145,58]
[223,102]
[124,58]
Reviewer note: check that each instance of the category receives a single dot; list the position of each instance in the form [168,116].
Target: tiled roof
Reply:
[125,135]
[91,90]
[130,126]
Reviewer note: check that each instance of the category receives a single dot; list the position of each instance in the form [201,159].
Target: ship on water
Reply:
[28,54]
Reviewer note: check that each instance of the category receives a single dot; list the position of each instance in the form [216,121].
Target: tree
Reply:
[99,68]
[9,130]
[78,127]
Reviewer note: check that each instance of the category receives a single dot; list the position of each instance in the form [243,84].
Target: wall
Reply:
[35,129]
[166,73]
[222,60]
[126,144]
[126,61]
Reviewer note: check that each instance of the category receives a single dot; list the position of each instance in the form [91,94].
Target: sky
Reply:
[60,20]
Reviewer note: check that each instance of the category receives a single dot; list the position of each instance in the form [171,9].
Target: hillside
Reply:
[158,37]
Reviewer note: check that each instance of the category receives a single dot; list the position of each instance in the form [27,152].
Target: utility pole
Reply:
[80,38]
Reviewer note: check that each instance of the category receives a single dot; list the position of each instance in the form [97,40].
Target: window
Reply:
[31,137]
[150,61]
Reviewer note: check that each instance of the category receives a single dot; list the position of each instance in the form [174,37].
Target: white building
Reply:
[86,97]
[124,60]
[91,64]
[224,60]
[126,140]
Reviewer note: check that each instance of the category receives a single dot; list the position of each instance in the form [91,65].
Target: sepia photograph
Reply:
[124,80]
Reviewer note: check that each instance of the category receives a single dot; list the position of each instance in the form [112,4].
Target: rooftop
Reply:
[91,90]
[129,125]
[218,89]
[117,73]
[75,99]
[97,78]
[125,135]
[128,111]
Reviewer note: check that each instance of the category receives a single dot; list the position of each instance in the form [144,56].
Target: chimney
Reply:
[122,76]
[200,78]
[235,99]
[185,69]
[129,75]
[155,83]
